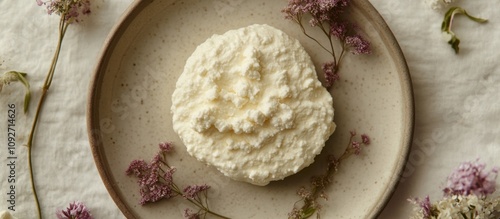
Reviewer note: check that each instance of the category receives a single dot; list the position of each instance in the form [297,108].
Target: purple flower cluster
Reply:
[358,44]
[191,192]
[329,16]
[356,145]
[190,214]
[155,180]
[69,9]
[471,178]
[425,205]
[331,73]
[321,10]
[76,210]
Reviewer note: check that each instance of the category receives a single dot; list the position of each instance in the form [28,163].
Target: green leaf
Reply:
[454,43]
[21,76]
[448,21]
[308,212]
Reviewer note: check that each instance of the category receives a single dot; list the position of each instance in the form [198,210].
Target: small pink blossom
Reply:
[357,147]
[156,182]
[331,73]
[339,29]
[359,44]
[189,214]
[166,147]
[155,179]
[365,139]
[471,178]
[70,9]
[425,206]
[330,16]
[76,210]
[191,192]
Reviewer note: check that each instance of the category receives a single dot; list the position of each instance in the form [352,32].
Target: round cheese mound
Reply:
[250,104]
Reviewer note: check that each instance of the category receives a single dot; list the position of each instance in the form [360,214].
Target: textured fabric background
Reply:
[456,98]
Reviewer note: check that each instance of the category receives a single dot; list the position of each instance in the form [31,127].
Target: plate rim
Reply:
[93,125]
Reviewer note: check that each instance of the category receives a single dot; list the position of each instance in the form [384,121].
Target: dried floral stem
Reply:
[327,177]
[63,25]
[341,56]
[156,183]
[197,201]
[331,19]
[320,183]
[330,41]
[298,20]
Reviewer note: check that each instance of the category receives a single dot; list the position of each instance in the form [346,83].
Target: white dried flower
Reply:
[438,4]
[458,206]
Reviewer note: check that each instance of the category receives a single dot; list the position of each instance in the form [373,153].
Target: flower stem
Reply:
[330,40]
[63,25]
[298,19]
[197,201]
[326,178]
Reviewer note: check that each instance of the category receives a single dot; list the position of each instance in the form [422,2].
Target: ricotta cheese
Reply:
[250,104]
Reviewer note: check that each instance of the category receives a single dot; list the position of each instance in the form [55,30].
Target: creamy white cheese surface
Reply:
[250,104]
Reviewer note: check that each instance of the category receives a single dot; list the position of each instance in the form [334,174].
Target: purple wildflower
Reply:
[331,74]
[166,147]
[339,29]
[71,10]
[155,181]
[189,214]
[425,206]
[471,178]
[321,10]
[329,16]
[168,175]
[137,167]
[360,45]
[365,139]
[191,192]
[357,147]
[76,210]
[155,192]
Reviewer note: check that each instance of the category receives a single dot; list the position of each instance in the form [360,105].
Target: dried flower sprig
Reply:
[308,205]
[75,210]
[471,178]
[70,11]
[457,206]
[448,34]
[13,76]
[438,4]
[466,195]
[330,17]
[156,182]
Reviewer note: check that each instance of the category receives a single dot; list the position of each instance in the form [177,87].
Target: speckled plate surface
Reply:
[129,110]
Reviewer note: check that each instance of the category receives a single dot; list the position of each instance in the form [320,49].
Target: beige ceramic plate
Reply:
[129,110]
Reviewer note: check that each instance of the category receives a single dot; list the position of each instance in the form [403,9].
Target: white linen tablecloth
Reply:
[456,100]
